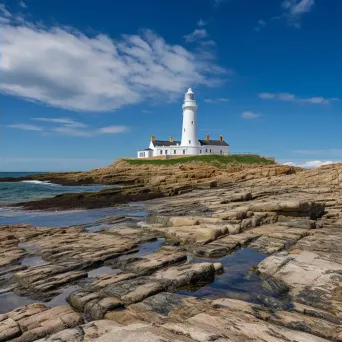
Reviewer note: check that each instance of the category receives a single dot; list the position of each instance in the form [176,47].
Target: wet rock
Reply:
[272,303]
[305,224]
[179,276]
[276,287]
[313,210]
[34,321]
[40,280]
[211,250]
[107,330]
[96,309]
[151,262]
[201,234]
[9,329]
[313,280]
[106,280]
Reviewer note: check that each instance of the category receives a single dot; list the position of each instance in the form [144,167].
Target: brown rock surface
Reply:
[292,216]
[35,321]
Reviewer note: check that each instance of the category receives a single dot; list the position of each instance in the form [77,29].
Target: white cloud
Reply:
[293,98]
[69,127]
[73,132]
[207,43]
[64,68]
[217,100]
[249,115]
[202,23]
[22,4]
[310,164]
[4,11]
[146,111]
[25,127]
[261,23]
[266,96]
[63,121]
[197,34]
[294,9]
[113,129]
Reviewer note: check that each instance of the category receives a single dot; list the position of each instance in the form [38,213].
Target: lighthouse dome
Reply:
[189,96]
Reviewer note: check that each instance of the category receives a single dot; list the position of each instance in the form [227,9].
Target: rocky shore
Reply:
[165,277]
[146,181]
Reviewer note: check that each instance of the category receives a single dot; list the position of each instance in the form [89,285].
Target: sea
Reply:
[22,191]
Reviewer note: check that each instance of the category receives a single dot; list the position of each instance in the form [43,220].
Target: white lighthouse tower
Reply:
[189,131]
[190,144]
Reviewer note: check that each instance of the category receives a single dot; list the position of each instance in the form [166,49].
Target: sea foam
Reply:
[37,182]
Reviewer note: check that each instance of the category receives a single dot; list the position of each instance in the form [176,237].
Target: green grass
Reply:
[216,160]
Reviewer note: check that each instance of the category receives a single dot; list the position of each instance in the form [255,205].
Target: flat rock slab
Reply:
[38,281]
[34,321]
[226,320]
[150,262]
[123,291]
[199,234]
[107,330]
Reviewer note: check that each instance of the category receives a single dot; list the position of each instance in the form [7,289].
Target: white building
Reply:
[190,144]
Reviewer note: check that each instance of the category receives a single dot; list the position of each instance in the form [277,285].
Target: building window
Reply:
[165,151]
[200,151]
[183,151]
[174,151]
[221,152]
[189,141]
[161,151]
[206,150]
[210,150]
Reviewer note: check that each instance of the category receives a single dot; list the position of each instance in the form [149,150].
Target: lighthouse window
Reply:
[192,122]
[184,129]
[189,141]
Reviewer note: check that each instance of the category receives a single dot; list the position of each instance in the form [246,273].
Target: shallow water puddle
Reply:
[149,247]
[102,270]
[33,261]
[28,247]
[237,281]
[10,301]
[60,299]
[97,228]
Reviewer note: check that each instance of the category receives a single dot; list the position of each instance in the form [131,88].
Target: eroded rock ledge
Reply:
[294,221]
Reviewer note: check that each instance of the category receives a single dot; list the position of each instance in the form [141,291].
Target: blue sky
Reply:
[85,82]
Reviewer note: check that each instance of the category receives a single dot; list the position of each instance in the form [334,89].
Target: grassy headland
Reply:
[214,160]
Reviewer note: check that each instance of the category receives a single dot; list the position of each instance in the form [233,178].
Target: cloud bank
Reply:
[293,98]
[68,127]
[311,164]
[63,67]
[294,10]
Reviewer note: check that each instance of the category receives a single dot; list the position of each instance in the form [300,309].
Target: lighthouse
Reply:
[189,129]
[190,144]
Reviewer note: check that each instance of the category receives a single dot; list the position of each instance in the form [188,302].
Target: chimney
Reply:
[171,139]
[221,138]
[153,138]
[207,138]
